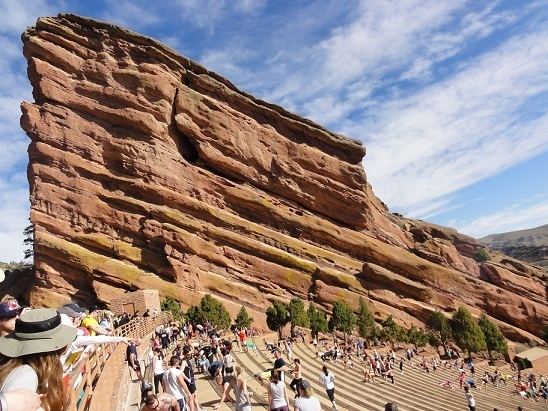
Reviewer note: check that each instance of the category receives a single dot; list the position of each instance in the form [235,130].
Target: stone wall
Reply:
[141,300]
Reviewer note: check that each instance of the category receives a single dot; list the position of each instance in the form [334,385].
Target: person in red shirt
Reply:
[242,336]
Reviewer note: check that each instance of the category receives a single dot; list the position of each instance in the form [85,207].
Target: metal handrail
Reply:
[95,382]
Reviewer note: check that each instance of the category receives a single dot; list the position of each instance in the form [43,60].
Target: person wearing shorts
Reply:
[175,384]
[327,379]
[190,380]
[297,377]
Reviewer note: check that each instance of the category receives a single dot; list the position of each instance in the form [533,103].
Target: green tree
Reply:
[417,337]
[317,319]
[481,255]
[366,323]
[392,332]
[194,315]
[439,325]
[434,340]
[243,320]
[297,314]
[211,310]
[277,317]
[466,332]
[494,339]
[342,318]
[215,312]
[172,305]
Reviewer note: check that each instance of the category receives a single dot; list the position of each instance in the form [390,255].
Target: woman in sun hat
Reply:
[29,356]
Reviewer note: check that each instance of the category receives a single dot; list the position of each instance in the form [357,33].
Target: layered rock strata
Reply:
[149,171]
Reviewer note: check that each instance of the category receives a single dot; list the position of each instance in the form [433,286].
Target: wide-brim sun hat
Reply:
[70,312]
[37,331]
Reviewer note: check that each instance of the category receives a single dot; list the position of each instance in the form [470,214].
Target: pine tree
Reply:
[466,332]
[494,339]
[366,323]
[297,314]
[434,340]
[172,305]
[392,332]
[194,315]
[211,310]
[342,318]
[215,312]
[243,320]
[439,325]
[417,337]
[277,317]
[317,319]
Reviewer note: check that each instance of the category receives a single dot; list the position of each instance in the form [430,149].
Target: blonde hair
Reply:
[49,371]
[308,392]
[239,370]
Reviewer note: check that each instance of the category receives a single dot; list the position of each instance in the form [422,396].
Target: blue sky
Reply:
[449,97]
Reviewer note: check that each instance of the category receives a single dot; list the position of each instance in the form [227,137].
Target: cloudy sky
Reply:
[449,97]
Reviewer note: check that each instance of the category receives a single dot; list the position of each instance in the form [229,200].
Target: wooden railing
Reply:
[97,379]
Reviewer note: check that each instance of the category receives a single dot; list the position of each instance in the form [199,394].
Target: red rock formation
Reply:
[148,171]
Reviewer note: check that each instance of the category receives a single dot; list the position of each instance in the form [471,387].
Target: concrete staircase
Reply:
[414,390]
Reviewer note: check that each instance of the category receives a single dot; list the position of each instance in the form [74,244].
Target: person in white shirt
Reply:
[174,382]
[277,394]
[306,401]
[470,400]
[327,379]
[159,369]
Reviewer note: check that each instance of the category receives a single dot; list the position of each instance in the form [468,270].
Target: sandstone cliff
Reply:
[149,171]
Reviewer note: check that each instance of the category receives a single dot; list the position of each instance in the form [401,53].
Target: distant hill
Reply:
[527,245]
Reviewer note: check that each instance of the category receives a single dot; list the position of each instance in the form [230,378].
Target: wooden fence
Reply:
[97,379]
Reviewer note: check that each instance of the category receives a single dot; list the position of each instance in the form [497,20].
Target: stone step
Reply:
[502,397]
[353,381]
[351,391]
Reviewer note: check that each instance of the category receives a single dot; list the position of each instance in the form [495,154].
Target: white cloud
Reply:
[133,15]
[249,6]
[172,41]
[462,129]
[16,15]
[14,213]
[385,38]
[515,217]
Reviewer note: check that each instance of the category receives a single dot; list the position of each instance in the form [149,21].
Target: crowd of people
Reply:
[39,347]
[204,350]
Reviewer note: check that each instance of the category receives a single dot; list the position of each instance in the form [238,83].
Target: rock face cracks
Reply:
[149,171]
